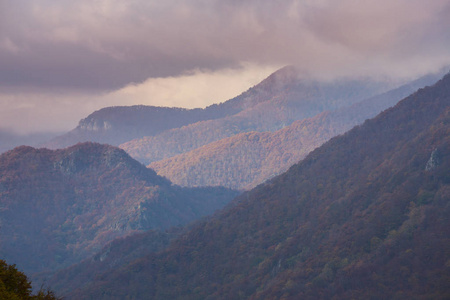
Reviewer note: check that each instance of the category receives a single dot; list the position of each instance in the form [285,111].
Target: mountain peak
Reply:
[72,201]
[90,155]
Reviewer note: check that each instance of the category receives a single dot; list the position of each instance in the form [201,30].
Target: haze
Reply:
[61,60]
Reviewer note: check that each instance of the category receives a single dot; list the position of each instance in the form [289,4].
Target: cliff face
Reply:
[115,125]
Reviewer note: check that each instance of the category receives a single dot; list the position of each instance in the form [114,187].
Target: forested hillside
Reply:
[286,97]
[58,207]
[245,160]
[365,216]
[116,125]
[119,252]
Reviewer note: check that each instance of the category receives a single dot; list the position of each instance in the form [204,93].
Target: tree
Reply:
[14,285]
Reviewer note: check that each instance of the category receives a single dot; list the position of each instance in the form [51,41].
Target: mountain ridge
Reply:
[245,160]
[294,99]
[66,204]
[361,216]
[118,124]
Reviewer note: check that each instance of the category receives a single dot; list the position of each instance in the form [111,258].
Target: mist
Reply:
[60,60]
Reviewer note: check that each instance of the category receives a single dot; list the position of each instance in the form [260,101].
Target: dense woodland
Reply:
[286,98]
[58,207]
[365,216]
[119,252]
[245,160]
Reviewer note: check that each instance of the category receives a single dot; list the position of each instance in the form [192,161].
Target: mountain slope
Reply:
[363,216]
[119,252]
[248,159]
[290,98]
[58,207]
[116,125]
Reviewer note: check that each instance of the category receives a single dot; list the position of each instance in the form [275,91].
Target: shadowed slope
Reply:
[281,99]
[58,207]
[248,159]
[365,215]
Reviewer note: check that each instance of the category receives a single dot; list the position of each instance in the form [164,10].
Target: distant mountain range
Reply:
[281,99]
[59,207]
[365,216]
[248,159]
[116,125]
[272,104]
[246,140]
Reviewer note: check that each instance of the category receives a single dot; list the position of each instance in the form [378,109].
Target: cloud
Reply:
[38,110]
[394,37]
[78,55]
[196,88]
[33,111]
[107,44]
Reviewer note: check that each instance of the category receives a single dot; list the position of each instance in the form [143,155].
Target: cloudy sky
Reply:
[61,60]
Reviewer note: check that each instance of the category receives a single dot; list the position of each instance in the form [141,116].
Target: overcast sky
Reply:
[61,60]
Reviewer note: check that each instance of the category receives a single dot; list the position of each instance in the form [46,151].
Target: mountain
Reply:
[276,94]
[365,216]
[59,207]
[247,159]
[291,98]
[117,253]
[116,125]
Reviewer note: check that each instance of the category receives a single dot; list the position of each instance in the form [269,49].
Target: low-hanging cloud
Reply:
[194,89]
[107,44]
[88,49]
[39,110]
